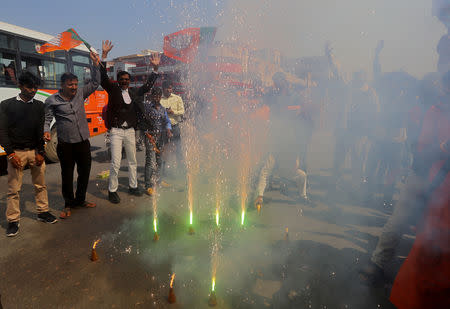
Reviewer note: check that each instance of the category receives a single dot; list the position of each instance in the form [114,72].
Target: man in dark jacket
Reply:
[21,135]
[124,106]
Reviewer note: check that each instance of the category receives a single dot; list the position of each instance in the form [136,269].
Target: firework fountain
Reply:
[218,196]
[94,256]
[172,298]
[244,170]
[212,301]
[155,217]
[191,151]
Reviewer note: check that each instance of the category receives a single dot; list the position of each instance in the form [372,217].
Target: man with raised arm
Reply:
[124,106]
[67,108]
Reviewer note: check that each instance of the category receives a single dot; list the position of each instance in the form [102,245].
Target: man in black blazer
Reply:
[124,106]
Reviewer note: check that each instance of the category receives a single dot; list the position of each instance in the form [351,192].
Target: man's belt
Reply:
[24,149]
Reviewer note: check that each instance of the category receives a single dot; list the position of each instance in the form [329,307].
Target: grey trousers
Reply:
[267,170]
[410,205]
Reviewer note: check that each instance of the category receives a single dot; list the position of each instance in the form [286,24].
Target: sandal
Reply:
[65,214]
[86,204]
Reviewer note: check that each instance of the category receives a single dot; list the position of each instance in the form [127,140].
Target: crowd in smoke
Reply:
[381,125]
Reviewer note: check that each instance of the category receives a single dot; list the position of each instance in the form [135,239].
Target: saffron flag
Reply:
[184,44]
[64,41]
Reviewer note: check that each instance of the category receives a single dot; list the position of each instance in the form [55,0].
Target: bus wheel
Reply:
[50,149]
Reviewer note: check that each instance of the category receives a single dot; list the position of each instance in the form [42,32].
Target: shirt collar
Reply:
[20,99]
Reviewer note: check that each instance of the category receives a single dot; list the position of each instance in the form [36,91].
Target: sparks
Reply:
[171,280]
[213,284]
[154,225]
[95,243]
[217,217]
[190,218]
[242,217]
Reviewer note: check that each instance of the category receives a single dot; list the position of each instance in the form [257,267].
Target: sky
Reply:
[296,27]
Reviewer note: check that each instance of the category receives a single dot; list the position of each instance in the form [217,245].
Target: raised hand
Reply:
[155,59]
[328,49]
[95,58]
[106,48]
[379,47]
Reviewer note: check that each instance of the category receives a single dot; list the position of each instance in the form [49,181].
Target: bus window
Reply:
[60,54]
[80,58]
[7,69]
[7,41]
[27,46]
[48,71]
[52,73]
[31,65]
[83,74]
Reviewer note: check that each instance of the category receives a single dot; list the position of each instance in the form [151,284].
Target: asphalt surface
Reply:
[49,266]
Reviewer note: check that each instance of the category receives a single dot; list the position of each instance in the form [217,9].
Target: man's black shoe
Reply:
[113,197]
[13,229]
[135,191]
[47,217]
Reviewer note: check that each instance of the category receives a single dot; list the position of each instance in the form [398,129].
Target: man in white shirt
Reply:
[124,106]
[175,109]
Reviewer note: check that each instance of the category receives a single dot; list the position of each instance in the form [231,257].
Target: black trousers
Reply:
[70,154]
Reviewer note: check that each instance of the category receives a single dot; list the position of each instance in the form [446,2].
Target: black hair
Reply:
[68,76]
[120,73]
[166,84]
[29,79]
[156,91]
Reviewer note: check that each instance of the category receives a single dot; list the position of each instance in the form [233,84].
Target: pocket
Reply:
[63,109]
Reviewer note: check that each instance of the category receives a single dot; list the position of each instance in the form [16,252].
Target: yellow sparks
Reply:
[190,218]
[171,280]
[155,228]
[242,217]
[95,243]
[217,217]
[213,284]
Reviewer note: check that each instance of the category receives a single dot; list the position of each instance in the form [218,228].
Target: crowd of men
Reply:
[25,127]
[394,128]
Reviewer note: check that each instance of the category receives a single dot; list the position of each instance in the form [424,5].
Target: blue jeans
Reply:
[153,163]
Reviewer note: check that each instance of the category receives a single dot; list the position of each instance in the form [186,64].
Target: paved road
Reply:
[48,266]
